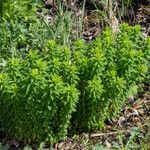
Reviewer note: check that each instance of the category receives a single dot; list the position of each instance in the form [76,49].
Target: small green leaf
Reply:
[27,147]
[100,147]
[4,147]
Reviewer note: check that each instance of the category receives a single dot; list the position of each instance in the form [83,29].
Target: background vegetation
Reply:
[52,82]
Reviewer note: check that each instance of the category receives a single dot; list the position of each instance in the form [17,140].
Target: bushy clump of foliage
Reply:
[38,94]
[110,69]
[40,91]
[21,28]
[25,24]
[147,80]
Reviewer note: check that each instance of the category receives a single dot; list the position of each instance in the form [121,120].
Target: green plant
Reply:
[147,80]
[40,91]
[21,28]
[4,7]
[100,147]
[127,143]
[145,141]
[4,147]
[110,69]
[67,25]
[125,10]
[135,140]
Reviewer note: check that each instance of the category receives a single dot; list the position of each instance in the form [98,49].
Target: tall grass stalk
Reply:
[67,25]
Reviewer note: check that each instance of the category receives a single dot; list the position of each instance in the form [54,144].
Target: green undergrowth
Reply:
[21,28]
[137,139]
[44,93]
[25,25]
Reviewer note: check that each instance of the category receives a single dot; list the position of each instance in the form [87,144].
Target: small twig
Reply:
[113,133]
[109,133]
